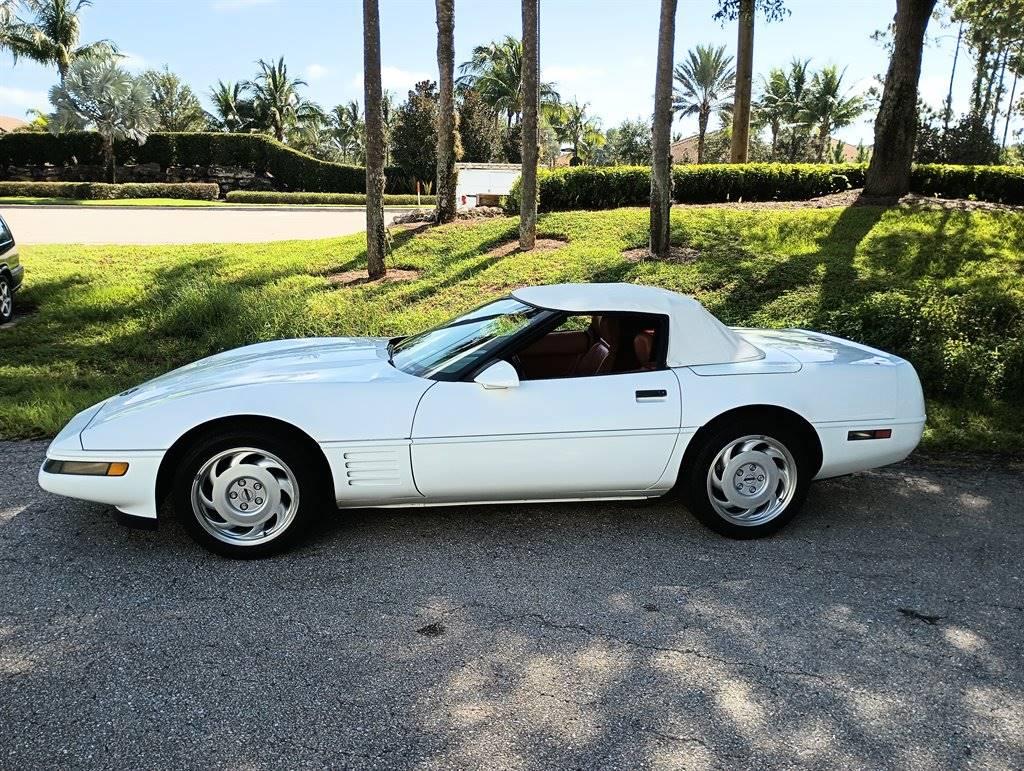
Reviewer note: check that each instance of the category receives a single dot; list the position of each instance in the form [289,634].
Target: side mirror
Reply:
[501,374]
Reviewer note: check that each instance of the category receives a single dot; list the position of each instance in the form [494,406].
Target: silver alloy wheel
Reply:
[245,496]
[752,480]
[6,301]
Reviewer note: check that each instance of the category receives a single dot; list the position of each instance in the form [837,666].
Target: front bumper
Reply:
[133,494]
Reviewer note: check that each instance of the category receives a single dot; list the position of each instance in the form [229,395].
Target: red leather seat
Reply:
[600,356]
[643,349]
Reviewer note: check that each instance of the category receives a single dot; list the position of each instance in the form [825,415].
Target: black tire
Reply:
[310,487]
[696,489]
[6,299]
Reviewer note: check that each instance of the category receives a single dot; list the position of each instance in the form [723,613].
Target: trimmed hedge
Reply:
[254,152]
[999,184]
[342,199]
[193,191]
[607,187]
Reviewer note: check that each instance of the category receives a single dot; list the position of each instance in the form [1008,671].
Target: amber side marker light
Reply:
[872,433]
[87,468]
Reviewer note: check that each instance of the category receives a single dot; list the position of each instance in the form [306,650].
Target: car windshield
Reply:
[462,342]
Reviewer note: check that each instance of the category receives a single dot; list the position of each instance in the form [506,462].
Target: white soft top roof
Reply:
[695,336]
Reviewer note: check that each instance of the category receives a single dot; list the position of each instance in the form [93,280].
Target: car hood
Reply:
[313,360]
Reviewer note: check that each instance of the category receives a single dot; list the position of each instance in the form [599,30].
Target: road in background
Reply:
[161,225]
[884,628]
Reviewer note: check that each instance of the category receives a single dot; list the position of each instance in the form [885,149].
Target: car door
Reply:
[560,438]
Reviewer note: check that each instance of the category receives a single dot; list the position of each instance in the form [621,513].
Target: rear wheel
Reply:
[748,477]
[247,495]
[6,300]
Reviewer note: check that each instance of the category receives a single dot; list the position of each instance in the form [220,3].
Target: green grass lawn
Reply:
[943,288]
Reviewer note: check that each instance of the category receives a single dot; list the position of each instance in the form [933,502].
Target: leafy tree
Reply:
[97,93]
[661,159]
[629,144]
[888,173]
[495,71]
[276,96]
[773,109]
[414,140]
[232,111]
[177,108]
[478,132]
[783,108]
[703,82]
[743,11]
[50,34]
[828,107]
[312,132]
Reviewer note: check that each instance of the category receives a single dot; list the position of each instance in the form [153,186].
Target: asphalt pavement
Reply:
[164,225]
[882,629]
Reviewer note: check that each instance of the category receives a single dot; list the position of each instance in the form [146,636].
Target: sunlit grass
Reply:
[107,317]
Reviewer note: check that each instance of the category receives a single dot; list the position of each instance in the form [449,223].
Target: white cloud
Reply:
[316,71]
[132,61]
[239,5]
[21,99]
[396,79]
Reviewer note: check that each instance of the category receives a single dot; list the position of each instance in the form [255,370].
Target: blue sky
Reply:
[601,52]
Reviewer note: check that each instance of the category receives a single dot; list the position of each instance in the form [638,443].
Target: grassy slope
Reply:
[109,317]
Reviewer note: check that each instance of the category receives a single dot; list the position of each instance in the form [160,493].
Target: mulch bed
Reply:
[359,277]
[677,255]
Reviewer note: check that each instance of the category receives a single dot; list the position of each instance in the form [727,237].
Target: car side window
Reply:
[5,234]
[587,345]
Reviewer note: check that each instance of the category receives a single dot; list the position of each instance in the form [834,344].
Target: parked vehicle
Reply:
[11,272]
[563,392]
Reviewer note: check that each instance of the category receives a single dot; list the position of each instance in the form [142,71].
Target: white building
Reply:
[482,184]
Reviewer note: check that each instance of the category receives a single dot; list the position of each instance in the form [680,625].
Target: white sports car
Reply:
[554,393]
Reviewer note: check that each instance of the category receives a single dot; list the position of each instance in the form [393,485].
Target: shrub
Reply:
[1000,184]
[254,152]
[196,191]
[341,199]
[607,187]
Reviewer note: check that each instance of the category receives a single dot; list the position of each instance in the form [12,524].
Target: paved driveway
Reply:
[885,628]
[103,225]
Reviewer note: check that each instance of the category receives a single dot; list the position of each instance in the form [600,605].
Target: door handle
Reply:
[655,393]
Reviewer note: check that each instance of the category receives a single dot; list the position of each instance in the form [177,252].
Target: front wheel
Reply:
[748,478]
[247,495]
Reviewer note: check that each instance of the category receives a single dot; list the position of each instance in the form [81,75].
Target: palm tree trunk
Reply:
[376,236]
[661,154]
[702,130]
[896,125]
[947,110]
[1013,93]
[446,111]
[744,82]
[822,141]
[109,161]
[531,106]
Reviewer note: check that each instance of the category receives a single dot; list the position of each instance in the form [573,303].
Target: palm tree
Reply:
[888,173]
[376,235]
[828,108]
[773,108]
[97,93]
[276,96]
[349,131]
[661,159]
[530,101]
[446,129]
[572,124]
[233,112]
[495,71]
[703,84]
[51,36]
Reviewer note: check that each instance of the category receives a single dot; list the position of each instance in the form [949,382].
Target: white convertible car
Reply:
[555,393]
